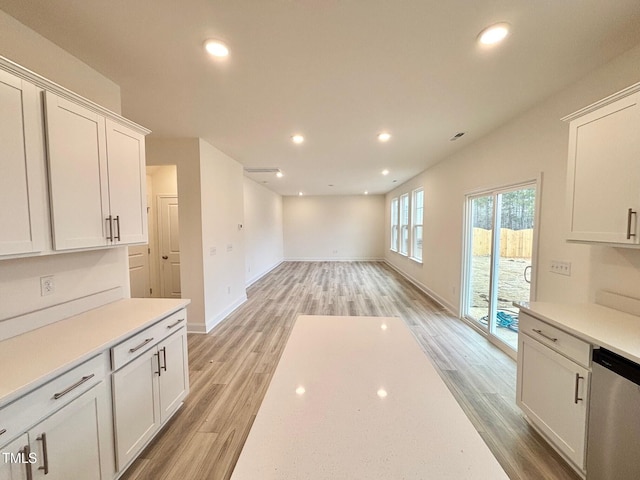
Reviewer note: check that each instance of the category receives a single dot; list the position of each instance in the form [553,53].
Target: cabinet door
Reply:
[14,463]
[552,392]
[77,175]
[22,213]
[127,183]
[68,444]
[136,405]
[174,379]
[603,174]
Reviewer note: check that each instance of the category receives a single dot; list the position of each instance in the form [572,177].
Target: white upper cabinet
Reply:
[22,178]
[76,140]
[603,173]
[127,183]
[97,178]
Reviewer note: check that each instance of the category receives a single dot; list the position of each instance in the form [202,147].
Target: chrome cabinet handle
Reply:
[577,399]
[109,220]
[147,340]
[72,387]
[630,212]
[118,225]
[27,464]
[45,455]
[539,332]
[164,358]
[3,431]
[176,323]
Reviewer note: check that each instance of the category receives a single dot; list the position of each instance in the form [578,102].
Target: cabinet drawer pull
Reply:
[72,387]
[577,399]
[176,323]
[45,455]
[27,465]
[117,237]
[630,212]
[539,332]
[146,340]
[3,431]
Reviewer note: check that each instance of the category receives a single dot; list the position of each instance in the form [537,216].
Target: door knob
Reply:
[164,257]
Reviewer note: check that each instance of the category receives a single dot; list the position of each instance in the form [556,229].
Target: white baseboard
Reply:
[257,277]
[212,322]
[426,290]
[333,259]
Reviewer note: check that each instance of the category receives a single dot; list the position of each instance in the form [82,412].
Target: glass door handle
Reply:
[527,269]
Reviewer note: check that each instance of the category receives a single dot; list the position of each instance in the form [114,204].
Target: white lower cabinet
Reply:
[71,443]
[147,391]
[15,462]
[553,389]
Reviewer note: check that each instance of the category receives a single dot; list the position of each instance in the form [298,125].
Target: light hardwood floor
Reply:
[230,369]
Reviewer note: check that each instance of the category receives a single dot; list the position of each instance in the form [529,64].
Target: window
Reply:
[416,224]
[404,224]
[394,224]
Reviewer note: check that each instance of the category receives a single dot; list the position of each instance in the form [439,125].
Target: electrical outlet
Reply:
[561,268]
[47,286]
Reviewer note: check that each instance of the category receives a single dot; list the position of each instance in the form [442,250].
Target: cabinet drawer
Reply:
[560,341]
[139,343]
[18,416]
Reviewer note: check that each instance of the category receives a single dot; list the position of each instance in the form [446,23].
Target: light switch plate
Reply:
[560,267]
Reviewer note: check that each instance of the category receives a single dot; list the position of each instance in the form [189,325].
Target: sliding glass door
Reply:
[498,259]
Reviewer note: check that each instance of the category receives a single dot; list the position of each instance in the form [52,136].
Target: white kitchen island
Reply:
[356,398]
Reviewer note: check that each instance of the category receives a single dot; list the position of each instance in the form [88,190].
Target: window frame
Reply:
[395,231]
[404,221]
[415,223]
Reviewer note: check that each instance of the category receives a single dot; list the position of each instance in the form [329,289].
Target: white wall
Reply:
[25,47]
[76,275]
[263,230]
[221,183]
[334,227]
[535,142]
[210,205]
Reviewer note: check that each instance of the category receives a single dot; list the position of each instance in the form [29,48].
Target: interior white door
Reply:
[21,155]
[127,179]
[139,277]
[77,174]
[169,235]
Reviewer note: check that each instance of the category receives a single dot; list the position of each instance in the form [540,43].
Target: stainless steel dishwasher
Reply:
[614,418]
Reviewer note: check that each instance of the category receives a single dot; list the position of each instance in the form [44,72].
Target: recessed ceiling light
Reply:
[279,174]
[494,34]
[384,136]
[366,192]
[216,48]
[300,390]
[297,139]
[382,393]
[385,172]
[300,194]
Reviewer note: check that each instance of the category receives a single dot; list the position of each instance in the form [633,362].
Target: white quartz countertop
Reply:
[601,326]
[35,357]
[356,398]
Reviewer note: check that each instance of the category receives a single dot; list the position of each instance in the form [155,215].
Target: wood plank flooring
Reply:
[230,369]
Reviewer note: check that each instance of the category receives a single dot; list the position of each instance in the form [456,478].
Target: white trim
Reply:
[14,326]
[424,289]
[199,328]
[601,103]
[258,276]
[48,85]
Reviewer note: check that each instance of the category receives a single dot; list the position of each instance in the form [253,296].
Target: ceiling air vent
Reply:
[456,136]
[261,170]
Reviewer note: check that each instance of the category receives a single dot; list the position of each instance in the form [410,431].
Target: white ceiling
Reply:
[337,71]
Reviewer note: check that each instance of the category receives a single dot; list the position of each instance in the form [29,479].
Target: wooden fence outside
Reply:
[513,243]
